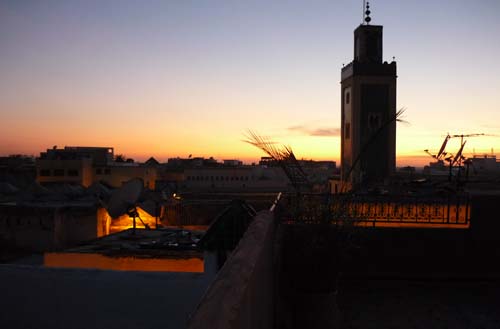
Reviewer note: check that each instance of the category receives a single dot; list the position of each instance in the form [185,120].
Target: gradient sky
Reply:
[179,77]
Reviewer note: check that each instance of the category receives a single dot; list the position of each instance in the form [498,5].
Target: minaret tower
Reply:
[368,89]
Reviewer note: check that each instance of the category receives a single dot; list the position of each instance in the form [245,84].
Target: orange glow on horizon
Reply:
[410,145]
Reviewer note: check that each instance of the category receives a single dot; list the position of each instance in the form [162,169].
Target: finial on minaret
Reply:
[367,13]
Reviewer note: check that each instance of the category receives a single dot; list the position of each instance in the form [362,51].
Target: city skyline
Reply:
[173,79]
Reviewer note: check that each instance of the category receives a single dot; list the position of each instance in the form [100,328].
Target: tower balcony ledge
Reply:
[368,69]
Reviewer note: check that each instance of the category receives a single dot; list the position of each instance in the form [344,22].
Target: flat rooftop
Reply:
[169,242]
[162,250]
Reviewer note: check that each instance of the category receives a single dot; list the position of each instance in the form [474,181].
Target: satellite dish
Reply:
[125,198]
[151,207]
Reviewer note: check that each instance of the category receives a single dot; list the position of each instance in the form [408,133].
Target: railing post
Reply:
[448,211]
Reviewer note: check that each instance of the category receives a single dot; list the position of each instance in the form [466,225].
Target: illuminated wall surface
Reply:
[418,215]
[124,222]
[123,263]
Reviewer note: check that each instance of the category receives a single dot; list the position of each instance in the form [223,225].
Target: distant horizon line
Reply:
[401,160]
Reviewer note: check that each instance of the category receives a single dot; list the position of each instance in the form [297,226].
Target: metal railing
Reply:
[451,211]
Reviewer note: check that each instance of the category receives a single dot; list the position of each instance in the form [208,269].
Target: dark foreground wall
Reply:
[242,295]
[52,298]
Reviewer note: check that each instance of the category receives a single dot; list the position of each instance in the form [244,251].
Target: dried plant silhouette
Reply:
[284,157]
[327,208]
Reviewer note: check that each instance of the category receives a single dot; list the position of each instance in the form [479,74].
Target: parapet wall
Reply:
[242,294]
[42,228]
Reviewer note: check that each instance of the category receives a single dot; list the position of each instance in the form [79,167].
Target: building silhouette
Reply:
[86,165]
[368,89]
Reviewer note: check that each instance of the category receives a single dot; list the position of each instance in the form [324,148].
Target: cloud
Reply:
[309,131]
[297,128]
[325,132]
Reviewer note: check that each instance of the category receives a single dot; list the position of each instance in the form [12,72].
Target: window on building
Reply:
[44,172]
[347,98]
[58,172]
[98,171]
[72,172]
[107,171]
[347,132]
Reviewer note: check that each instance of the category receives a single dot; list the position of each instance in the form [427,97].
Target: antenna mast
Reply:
[363,14]
[366,13]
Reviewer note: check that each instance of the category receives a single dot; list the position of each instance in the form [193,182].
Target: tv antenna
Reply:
[124,201]
[459,157]
[441,154]
[467,135]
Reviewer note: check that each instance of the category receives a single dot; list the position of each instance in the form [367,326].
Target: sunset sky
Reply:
[178,77]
